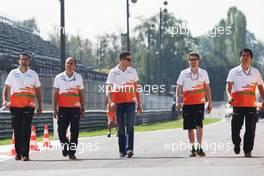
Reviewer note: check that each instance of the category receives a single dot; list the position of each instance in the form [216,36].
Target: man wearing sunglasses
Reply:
[68,106]
[242,82]
[122,97]
[24,85]
[193,87]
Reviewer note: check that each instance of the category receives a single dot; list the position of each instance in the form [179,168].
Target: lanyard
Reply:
[195,77]
[247,74]
[64,79]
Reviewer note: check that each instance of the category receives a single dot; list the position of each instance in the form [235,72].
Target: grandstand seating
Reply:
[16,39]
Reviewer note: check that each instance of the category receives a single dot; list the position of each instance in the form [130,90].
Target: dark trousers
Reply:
[21,124]
[125,122]
[249,114]
[69,116]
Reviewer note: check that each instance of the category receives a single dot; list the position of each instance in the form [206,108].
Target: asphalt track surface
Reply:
[157,153]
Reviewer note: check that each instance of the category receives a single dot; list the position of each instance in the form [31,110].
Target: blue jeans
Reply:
[125,122]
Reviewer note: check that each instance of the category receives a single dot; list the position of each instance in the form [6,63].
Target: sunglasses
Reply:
[245,55]
[193,59]
[24,59]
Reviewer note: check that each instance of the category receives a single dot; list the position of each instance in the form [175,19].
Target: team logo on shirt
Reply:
[245,97]
[239,73]
[195,96]
[25,97]
[70,98]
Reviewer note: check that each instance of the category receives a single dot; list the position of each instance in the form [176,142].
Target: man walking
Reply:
[242,82]
[68,106]
[24,87]
[123,96]
[111,117]
[193,84]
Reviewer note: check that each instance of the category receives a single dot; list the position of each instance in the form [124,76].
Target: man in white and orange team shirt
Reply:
[24,85]
[111,117]
[123,96]
[242,82]
[193,83]
[68,106]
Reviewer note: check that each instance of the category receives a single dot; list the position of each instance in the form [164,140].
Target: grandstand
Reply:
[16,38]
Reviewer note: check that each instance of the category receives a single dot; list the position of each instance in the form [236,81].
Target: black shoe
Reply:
[130,154]
[200,152]
[25,158]
[193,153]
[18,157]
[109,135]
[65,151]
[248,155]
[72,157]
[122,155]
[237,149]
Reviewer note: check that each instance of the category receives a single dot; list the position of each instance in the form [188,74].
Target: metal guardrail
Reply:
[157,108]
[93,120]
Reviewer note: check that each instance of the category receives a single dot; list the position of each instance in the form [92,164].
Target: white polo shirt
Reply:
[123,84]
[244,86]
[193,86]
[69,89]
[23,86]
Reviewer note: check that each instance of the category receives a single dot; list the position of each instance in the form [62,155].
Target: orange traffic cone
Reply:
[46,141]
[33,140]
[13,150]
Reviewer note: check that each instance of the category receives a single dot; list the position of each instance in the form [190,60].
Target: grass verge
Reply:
[138,128]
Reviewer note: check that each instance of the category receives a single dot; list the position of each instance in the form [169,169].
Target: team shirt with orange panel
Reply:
[69,89]
[193,86]
[244,86]
[124,84]
[23,86]
[111,114]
